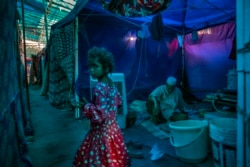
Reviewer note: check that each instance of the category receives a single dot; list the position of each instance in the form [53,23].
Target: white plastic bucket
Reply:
[223,132]
[189,137]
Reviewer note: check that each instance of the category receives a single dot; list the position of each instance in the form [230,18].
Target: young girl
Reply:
[104,145]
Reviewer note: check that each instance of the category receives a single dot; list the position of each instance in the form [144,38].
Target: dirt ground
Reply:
[58,135]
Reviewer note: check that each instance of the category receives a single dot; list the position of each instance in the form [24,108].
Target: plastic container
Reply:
[232,79]
[189,137]
[223,133]
[215,115]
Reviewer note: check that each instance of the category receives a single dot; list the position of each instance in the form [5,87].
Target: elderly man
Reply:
[166,103]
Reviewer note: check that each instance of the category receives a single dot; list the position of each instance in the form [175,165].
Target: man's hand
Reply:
[155,119]
[155,116]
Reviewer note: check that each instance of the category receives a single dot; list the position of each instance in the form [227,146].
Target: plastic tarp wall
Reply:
[13,107]
[209,57]
[147,62]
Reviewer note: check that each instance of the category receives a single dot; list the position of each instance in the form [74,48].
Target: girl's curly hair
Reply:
[105,58]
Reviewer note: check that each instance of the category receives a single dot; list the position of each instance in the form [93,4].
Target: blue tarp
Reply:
[14,110]
[204,58]
[181,16]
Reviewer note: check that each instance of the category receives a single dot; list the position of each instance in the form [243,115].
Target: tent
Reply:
[15,120]
[190,39]
[14,103]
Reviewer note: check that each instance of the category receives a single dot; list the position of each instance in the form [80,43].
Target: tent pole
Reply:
[46,72]
[181,43]
[45,21]
[77,110]
[25,57]
[182,54]
[243,80]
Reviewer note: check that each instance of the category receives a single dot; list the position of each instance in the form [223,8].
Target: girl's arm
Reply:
[97,109]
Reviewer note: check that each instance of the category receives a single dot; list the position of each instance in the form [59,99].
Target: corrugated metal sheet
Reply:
[36,23]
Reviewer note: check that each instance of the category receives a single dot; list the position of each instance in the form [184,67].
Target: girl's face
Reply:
[96,69]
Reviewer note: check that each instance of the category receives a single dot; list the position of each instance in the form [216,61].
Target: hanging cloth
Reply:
[135,8]
[157,27]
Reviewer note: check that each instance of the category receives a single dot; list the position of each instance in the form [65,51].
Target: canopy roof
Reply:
[36,22]
[180,16]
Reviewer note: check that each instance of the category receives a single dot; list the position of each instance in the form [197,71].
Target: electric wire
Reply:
[138,71]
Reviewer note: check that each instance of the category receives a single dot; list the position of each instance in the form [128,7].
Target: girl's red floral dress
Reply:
[104,145]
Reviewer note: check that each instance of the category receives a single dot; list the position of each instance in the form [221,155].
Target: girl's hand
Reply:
[84,100]
[79,104]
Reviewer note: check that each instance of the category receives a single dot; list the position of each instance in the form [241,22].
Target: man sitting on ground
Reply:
[166,104]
